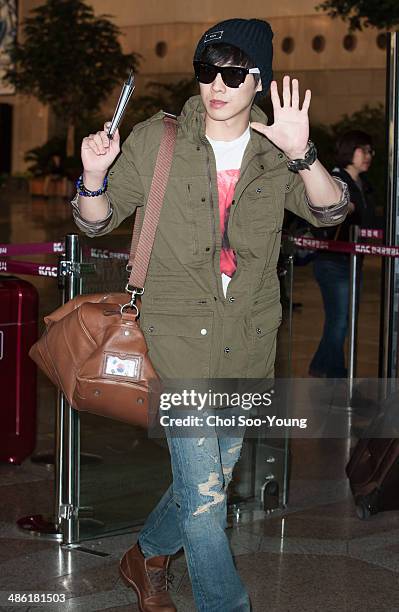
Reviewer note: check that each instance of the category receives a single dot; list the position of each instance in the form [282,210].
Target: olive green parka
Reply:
[192,330]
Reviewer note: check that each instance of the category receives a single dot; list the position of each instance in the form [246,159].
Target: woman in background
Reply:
[354,154]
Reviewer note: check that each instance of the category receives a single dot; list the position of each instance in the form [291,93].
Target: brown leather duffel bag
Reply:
[93,348]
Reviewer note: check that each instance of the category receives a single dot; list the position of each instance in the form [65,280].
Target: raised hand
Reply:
[98,152]
[290,130]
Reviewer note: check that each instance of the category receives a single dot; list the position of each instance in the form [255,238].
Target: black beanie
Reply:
[253,36]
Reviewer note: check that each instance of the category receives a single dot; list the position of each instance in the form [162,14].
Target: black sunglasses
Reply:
[233,76]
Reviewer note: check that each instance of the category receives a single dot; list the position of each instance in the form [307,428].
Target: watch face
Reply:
[296,165]
[303,164]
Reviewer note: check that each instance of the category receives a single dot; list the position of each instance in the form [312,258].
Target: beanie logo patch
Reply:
[213,36]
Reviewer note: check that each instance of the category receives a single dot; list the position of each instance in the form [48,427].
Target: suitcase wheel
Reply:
[363,511]
[366,506]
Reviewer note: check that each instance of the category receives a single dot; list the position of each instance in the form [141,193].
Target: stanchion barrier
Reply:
[28,267]
[69,459]
[48,248]
[338,246]
[64,525]
[33,268]
[52,248]
[353,312]
[31,248]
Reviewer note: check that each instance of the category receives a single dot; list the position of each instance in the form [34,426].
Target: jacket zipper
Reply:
[212,213]
[211,201]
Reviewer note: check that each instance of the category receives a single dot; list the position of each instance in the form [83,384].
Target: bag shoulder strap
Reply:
[144,232]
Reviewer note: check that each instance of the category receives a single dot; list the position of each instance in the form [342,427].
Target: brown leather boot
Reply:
[148,578]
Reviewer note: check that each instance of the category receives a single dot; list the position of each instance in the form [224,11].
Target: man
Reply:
[211,305]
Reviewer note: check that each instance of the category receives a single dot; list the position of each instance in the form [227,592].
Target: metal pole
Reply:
[290,261]
[388,365]
[59,457]
[70,463]
[353,312]
[63,525]
[39,525]
[287,437]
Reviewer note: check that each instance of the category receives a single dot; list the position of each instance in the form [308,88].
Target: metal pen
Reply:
[127,90]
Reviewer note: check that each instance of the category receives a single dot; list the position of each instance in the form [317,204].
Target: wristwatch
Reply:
[303,164]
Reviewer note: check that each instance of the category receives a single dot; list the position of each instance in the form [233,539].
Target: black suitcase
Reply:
[373,468]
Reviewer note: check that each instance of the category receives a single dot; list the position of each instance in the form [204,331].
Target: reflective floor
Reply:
[315,555]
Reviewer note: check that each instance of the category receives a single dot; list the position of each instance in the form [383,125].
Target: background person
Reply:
[354,154]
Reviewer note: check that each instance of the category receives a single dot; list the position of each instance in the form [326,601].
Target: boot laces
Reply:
[169,579]
[160,579]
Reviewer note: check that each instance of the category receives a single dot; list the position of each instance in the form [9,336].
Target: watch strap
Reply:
[295,165]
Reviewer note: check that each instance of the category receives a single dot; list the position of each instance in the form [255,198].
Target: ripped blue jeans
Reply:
[192,515]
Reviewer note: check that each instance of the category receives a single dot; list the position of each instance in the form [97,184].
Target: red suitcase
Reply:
[18,331]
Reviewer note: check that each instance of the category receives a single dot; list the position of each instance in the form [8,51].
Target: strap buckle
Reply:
[134,291]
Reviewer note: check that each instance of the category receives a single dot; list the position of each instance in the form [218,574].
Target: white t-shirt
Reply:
[228,155]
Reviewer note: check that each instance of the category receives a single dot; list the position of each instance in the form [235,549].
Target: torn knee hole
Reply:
[217,496]
[234,449]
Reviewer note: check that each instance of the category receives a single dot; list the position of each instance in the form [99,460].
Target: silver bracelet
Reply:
[333,212]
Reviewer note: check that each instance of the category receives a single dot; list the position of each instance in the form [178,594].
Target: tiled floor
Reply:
[314,556]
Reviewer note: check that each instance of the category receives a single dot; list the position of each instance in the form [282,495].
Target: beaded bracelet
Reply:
[83,191]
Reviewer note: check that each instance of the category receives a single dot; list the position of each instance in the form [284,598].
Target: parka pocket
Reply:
[179,345]
[262,214]
[263,208]
[263,339]
[184,232]
[264,229]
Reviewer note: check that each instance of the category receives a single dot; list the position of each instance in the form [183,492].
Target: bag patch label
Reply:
[128,367]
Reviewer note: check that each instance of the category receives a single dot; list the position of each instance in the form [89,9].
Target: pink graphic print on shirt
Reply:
[227,180]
